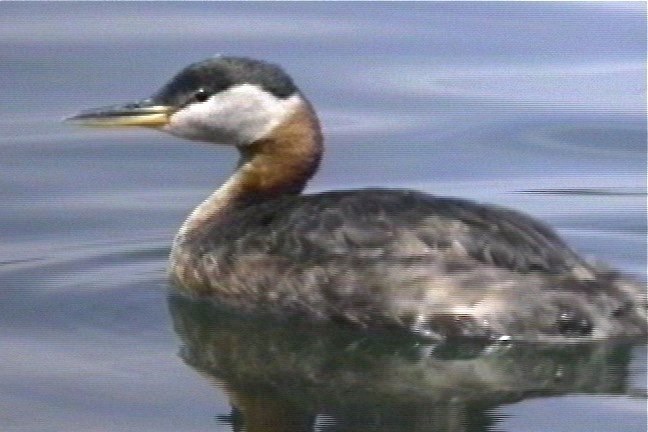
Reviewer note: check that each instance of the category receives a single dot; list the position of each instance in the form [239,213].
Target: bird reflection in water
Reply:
[294,376]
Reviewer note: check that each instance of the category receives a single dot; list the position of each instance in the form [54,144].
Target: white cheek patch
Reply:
[239,115]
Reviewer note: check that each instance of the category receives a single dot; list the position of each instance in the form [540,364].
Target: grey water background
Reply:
[536,106]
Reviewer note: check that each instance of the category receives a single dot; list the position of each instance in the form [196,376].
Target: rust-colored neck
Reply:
[279,164]
[282,162]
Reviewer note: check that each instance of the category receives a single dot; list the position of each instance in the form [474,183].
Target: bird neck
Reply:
[281,163]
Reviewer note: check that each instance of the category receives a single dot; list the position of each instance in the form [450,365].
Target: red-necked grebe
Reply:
[441,267]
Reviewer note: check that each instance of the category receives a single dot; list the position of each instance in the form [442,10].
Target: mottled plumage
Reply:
[374,223]
[440,267]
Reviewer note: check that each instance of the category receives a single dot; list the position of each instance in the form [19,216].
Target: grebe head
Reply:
[226,100]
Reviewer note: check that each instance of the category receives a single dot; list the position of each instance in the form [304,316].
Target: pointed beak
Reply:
[143,113]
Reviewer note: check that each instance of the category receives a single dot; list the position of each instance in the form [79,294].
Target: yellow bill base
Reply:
[151,116]
[140,120]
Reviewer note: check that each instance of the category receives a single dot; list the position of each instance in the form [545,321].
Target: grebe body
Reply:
[440,267]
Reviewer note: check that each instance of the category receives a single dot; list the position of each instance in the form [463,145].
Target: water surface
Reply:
[540,107]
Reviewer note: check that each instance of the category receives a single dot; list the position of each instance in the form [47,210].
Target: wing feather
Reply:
[396,224]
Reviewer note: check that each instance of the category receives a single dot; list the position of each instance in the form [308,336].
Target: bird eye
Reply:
[202,95]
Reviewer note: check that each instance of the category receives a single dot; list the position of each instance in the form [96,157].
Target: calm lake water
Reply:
[537,106]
